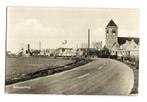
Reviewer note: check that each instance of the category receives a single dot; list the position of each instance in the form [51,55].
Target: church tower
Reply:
[111,34]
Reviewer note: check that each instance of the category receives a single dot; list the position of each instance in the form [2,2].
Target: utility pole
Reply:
[39,45]
[88,41]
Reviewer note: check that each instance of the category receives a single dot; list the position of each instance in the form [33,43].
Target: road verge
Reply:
[48,71]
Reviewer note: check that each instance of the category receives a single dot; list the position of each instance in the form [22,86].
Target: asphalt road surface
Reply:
[100,77]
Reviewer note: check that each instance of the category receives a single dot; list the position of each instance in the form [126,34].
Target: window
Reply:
[113,32]
[107,31]
[63,50]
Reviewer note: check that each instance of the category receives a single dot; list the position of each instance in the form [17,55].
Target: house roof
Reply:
[111,23]
[122,40]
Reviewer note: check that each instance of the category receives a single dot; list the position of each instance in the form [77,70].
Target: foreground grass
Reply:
[16,66]
[49,70]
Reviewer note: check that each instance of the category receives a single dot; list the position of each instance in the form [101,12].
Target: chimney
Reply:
[88,42]
[28,47]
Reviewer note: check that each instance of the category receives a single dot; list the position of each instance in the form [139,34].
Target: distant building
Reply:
[120,46]
[66,52]
[81,51]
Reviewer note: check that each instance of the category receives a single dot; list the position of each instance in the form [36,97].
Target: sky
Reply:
[51,26]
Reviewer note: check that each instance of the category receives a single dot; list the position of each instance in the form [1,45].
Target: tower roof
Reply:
[111,23]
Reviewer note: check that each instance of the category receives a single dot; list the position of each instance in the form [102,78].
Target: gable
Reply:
[130,46]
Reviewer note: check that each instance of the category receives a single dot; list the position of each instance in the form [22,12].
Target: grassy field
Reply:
[23,65]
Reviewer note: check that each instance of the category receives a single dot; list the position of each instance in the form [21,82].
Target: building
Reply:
[120,46]
[111,31]
[66,52]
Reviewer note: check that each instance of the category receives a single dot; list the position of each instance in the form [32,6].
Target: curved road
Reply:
[100,77]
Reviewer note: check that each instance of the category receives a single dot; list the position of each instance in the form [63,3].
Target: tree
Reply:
[104,53]
[97,45]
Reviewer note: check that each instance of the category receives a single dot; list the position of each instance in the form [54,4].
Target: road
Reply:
[100,77]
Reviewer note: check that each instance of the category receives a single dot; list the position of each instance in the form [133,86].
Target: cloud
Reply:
[35,30]
[32,31]
[98,35]
[127,33]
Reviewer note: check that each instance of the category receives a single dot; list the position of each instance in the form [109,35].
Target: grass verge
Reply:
[135,68]
[48,71]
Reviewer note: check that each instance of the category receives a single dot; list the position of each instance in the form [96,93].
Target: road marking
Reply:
[21,87]
[83,75]
[100,67]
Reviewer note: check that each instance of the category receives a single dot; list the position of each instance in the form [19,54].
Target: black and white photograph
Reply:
[72,51]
